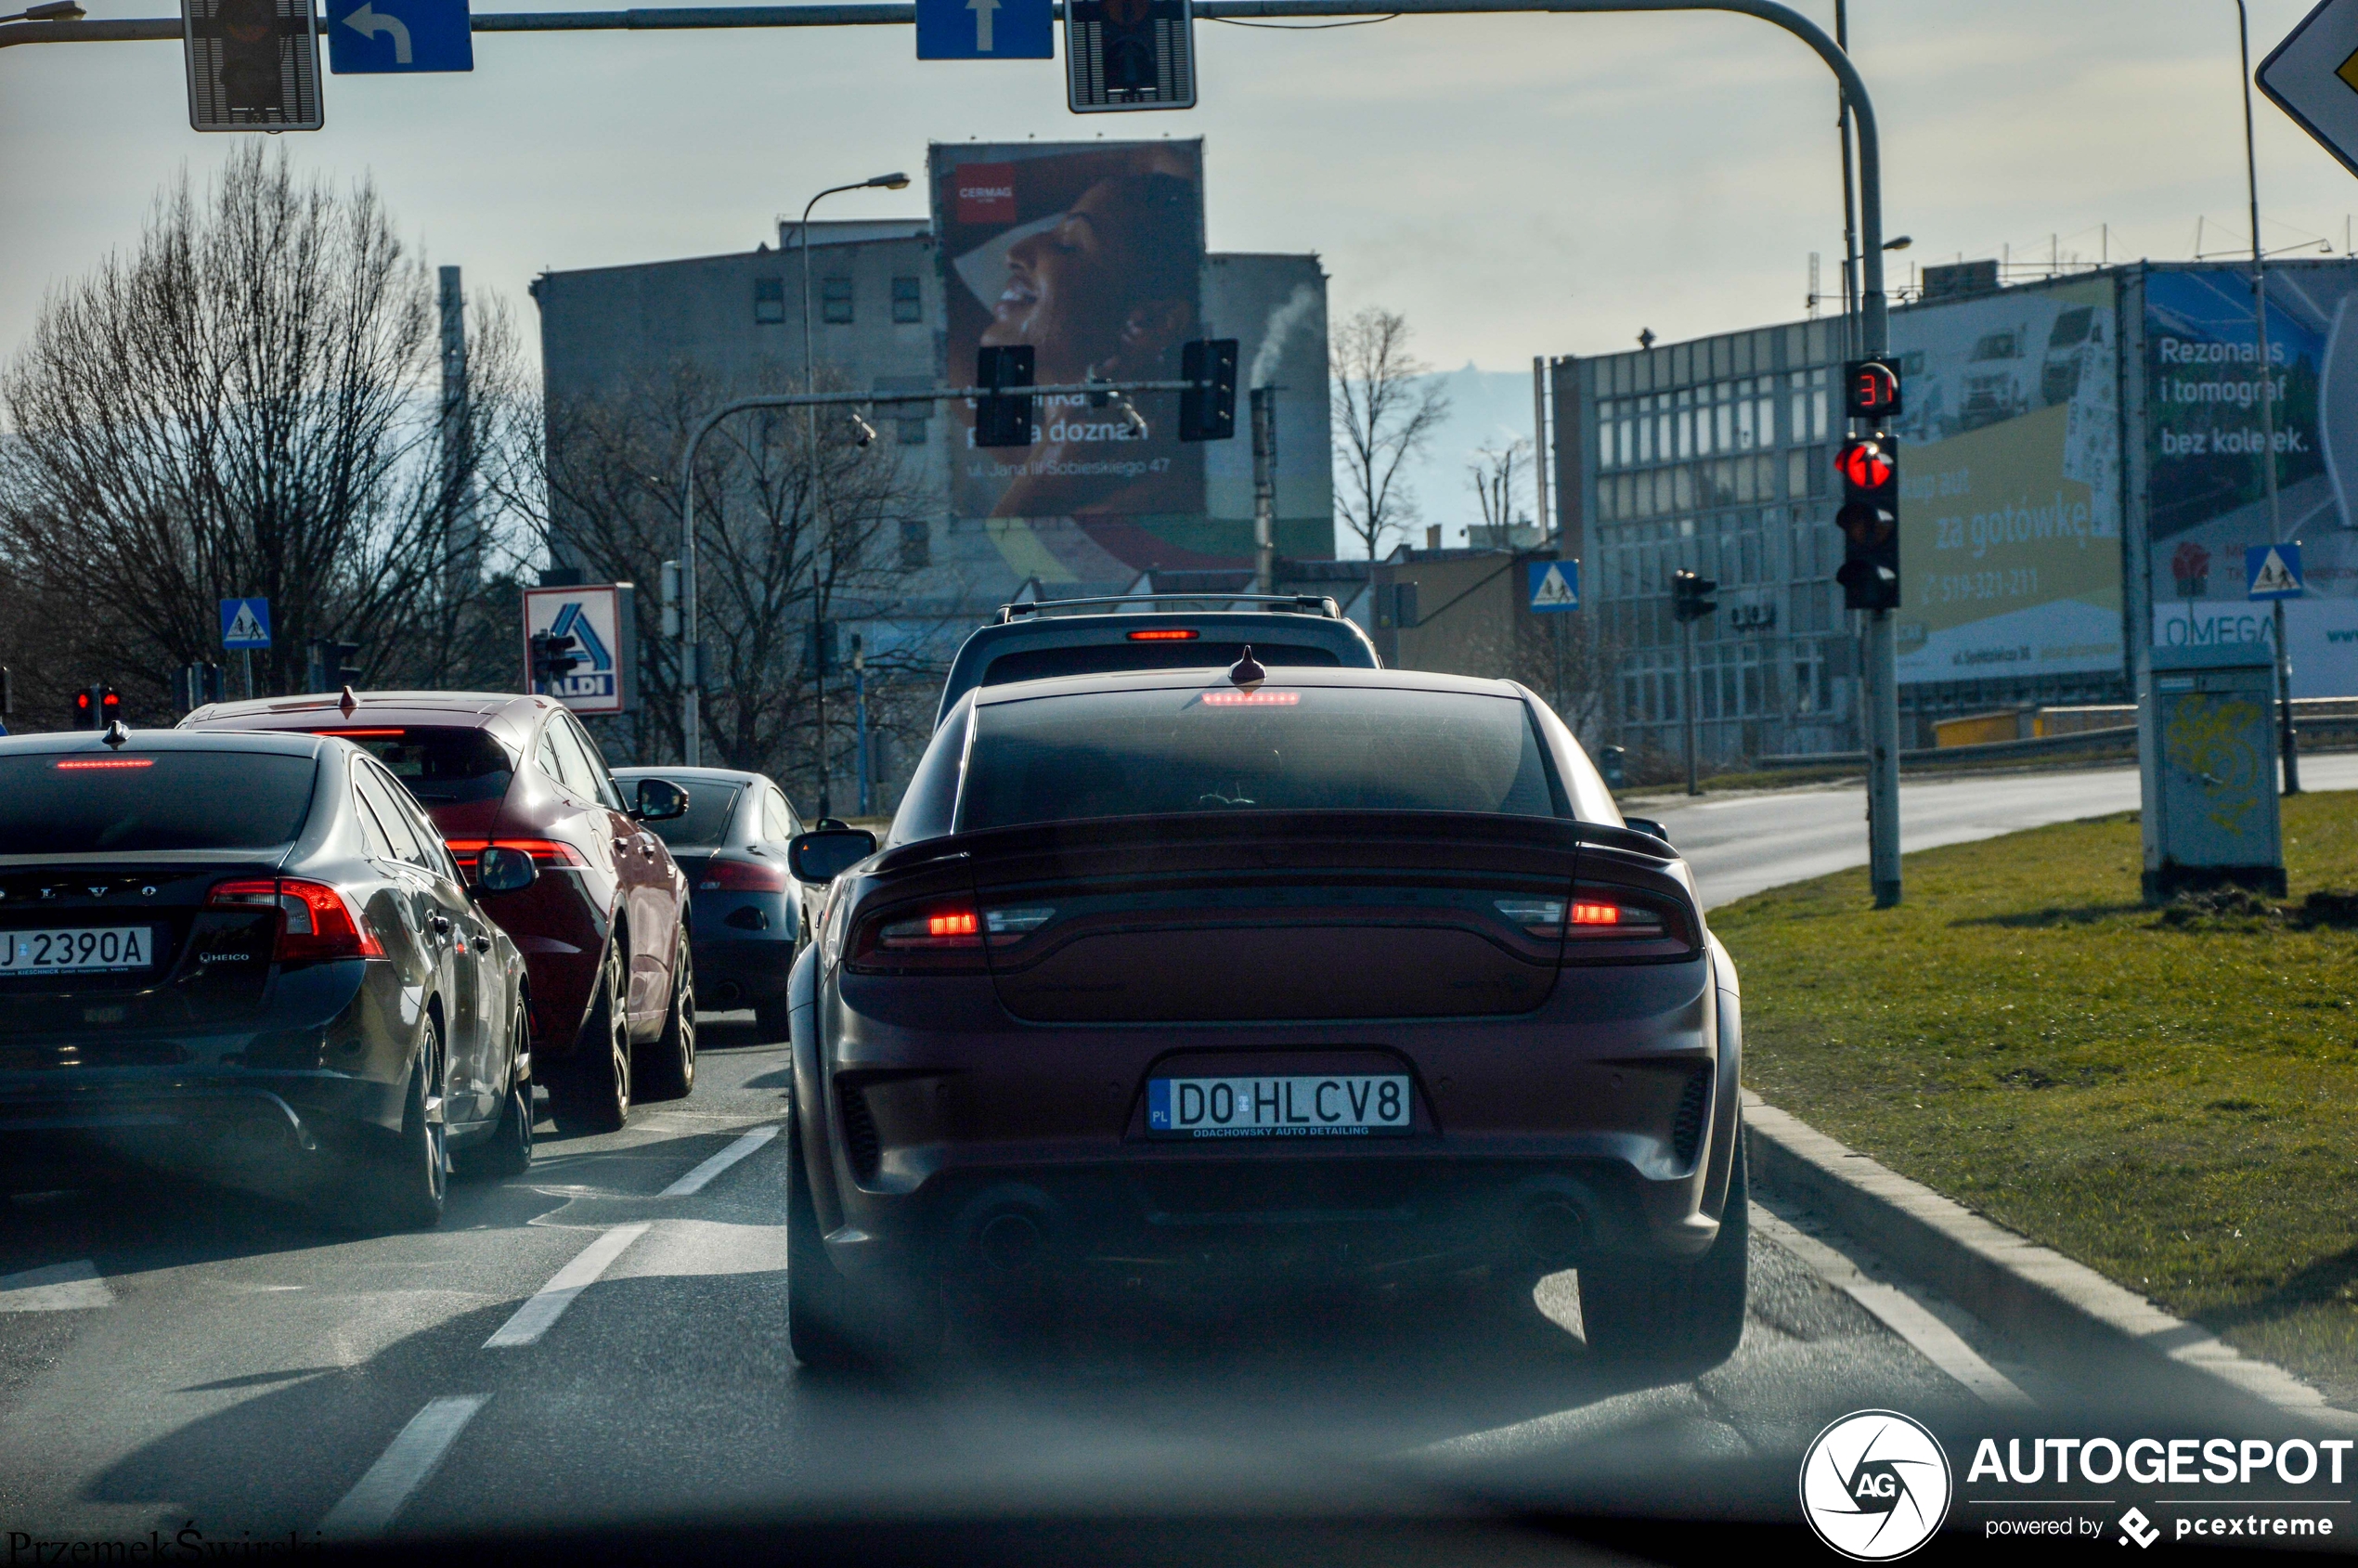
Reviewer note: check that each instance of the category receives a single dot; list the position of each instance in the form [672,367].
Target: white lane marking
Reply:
[1899,1312]
[534,1318]
[54,1288]
[368,1507]
[696,1180]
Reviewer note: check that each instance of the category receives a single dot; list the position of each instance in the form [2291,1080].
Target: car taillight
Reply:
[1163,634]
[545,852]
[924,938]
[742,877]
[1602,921]
[317,919]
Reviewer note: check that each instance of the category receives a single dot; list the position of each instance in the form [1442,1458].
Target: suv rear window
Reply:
[95,803]
[441,766]
[1039,664]
[1131,754]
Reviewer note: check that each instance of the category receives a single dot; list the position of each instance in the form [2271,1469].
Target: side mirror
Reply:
[1647,825]
[660,800]
[503,871]
[823,857]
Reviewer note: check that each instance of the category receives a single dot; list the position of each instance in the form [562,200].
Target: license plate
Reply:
[77,949]
[1342,1105]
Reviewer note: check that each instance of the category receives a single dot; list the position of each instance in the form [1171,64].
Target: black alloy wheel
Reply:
[400,1184]
[596,1085]
[671,1067]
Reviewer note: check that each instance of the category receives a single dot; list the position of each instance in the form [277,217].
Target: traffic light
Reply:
[1692,596]
[1002,421]
[198,684]
[1207,410]
[332,664]
[1871,391]
[1129,54]
[555,656]
[254,65]
[1870,523]
[821,650]
[94,707]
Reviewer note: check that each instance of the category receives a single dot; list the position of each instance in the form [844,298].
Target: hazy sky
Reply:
[1516,184]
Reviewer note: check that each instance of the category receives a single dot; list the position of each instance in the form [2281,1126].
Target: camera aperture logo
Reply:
[1875,1486]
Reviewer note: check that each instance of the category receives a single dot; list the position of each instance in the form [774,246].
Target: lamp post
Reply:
[2267,408]
[894,181]
[56,10]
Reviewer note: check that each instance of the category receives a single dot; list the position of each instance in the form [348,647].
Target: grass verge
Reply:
[2168,1097]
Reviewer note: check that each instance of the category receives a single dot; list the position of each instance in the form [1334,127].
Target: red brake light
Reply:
[958,923]
[317,920]
[1164,634]
[1252,699]
[943,938]
[83,764]
[1596,915]
[364,734]
[742,877]
[545,852]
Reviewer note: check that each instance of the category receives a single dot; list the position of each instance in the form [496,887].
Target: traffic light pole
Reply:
[1881,673]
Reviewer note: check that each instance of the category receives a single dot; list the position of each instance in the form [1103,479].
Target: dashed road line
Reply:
[546,1305]
[696,1180]
[54,1288]
[368,1509]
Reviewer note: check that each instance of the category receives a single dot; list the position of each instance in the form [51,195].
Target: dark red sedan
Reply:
[1201,980]
[603,929]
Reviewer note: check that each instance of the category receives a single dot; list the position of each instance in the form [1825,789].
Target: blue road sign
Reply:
[986,29]
[2271,571]
[245,623]
[1555,584]
[384,37]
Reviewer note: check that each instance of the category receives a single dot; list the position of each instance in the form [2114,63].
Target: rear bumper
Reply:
[737,971]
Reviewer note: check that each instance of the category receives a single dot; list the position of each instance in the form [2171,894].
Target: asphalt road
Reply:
[173,1361]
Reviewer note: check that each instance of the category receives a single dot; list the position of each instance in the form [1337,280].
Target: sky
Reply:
[1514,185]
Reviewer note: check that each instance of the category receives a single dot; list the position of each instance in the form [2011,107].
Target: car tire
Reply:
[1679,1319]
[401,1184]
[671,1059]
[593,1093]
[508,1153]
[818,1297]
[774,1020]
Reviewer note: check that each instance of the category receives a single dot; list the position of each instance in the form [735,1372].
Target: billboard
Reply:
[2010,486]
[2205,435]
[1091,254]
[598,617]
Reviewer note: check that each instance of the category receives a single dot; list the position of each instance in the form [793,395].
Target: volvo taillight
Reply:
[317,920]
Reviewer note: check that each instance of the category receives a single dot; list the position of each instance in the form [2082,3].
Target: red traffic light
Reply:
[1863,465]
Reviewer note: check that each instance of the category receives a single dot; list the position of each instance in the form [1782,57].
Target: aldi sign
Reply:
[591,635]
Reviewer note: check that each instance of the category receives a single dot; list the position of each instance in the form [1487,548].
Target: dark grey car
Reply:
[249,955]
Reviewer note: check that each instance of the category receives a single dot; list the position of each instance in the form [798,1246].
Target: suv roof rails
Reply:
[1290,604]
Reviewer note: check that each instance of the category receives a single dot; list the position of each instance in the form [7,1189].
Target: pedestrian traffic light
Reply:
[331,666]
[1208,409]
[1692,597]
[1871,391]
[1002,421]
[1129,54]
[554,655]
[94,707]
[1870,523]
[254,65]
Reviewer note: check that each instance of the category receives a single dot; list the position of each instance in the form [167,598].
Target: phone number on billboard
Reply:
[1959,588]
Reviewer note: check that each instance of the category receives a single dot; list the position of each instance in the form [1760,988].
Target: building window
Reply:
[768,301]
[835,300]
[916,544]
[907,304]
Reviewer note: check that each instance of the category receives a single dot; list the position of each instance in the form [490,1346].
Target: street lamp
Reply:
[894,181]
[2267,406]
[56,10]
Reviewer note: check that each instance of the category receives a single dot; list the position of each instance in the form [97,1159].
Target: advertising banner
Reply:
[1093,254]
[2010,486]
[598,617]
[2322,635]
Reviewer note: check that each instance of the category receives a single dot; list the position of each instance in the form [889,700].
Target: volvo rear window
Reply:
[442,765]
[102,802]
[1039,664]
[1149,753]
[709,808]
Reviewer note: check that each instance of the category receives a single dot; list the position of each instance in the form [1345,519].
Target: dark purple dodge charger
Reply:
[1191,981]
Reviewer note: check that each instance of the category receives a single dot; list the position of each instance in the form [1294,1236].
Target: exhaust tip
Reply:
[728,991]
[1553,1228]
[1011,1242]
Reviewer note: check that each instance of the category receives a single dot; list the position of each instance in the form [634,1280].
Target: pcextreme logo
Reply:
[1875,1486]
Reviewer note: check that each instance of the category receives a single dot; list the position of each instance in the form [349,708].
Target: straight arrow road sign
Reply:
[389,37]
[2312,76]
[986,29]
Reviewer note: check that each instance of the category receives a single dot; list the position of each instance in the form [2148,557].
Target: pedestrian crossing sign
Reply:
[2272,571]
[245,623]
[1555,584]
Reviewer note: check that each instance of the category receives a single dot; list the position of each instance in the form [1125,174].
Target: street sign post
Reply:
[391,37]
[245,623]
[1129,54]
[2272,571]
[593,627]
[2312,76]
[986,29]
[1555,586]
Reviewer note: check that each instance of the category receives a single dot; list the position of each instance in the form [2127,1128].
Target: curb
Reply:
[2010,1283]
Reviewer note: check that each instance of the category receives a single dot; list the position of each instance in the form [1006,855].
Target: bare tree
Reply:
[244,405]
[1385,410]
[1497,479]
